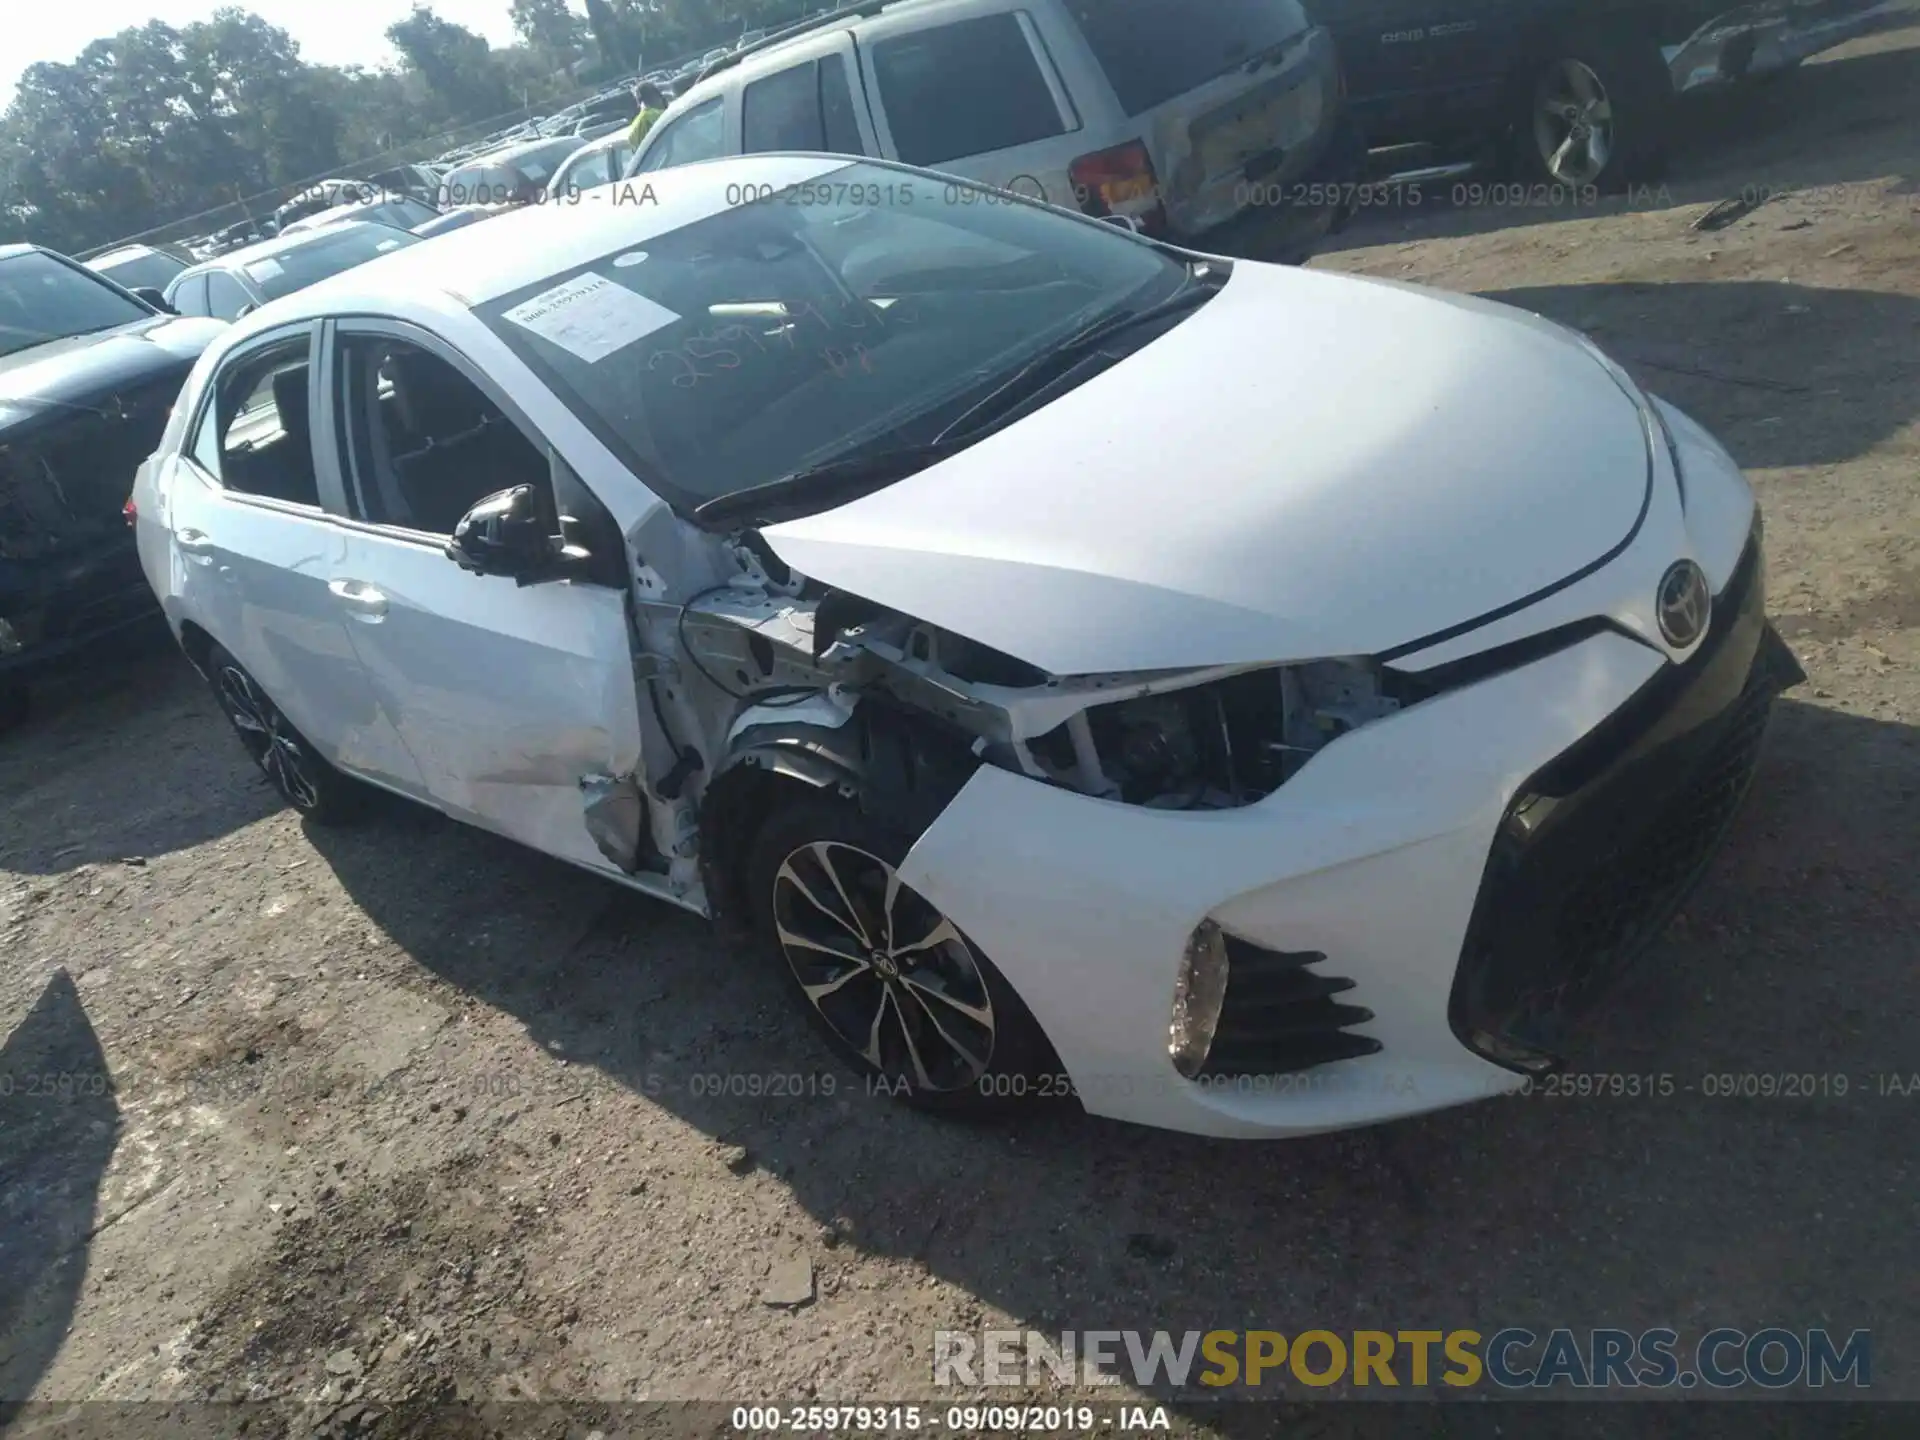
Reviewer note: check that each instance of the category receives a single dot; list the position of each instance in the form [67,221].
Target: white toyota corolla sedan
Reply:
[1252,700]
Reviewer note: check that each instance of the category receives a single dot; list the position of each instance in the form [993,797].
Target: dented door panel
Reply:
[508,697]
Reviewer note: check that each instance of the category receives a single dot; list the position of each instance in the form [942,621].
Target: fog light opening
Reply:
[1197,997]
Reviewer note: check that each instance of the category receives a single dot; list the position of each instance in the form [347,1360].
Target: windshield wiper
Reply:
[852,476]
[1059,359]
[838,481]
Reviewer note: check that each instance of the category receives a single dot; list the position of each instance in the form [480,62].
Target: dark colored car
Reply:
[88,375]
[1576,94]
[231,285]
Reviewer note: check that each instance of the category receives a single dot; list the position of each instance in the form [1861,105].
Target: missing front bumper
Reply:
[1602,846]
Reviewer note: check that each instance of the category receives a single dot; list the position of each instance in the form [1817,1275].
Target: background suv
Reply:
[1220,120]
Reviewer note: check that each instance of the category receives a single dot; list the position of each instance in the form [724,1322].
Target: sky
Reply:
[330,32]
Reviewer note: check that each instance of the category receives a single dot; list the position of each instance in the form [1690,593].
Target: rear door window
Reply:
[806,107]
[838,117]
[782,112]
[969,88]
[1153,50]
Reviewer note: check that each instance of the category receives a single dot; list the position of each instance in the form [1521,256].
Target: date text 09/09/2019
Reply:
[971,1419]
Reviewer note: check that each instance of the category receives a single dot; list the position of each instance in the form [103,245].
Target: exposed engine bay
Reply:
[767,648]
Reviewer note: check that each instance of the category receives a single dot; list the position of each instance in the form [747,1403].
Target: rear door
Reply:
[507,695]
[252,548]
[1222,93]
[979,97]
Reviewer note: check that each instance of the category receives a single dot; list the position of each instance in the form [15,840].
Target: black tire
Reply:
[304,779]
[1636,100]
[16,703]
[970,1068]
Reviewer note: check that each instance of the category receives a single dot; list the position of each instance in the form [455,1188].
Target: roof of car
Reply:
[7,252]
[278,245]
[479,263]
[507,154]
[124,252]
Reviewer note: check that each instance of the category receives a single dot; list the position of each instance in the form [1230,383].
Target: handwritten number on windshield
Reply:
[705,355]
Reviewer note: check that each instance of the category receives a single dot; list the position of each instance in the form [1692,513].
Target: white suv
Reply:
[1224,121]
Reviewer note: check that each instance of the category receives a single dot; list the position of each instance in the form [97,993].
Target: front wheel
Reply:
[891,982]
[294,768]
[1597,114]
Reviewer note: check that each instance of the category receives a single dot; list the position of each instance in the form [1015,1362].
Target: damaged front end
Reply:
[788,680]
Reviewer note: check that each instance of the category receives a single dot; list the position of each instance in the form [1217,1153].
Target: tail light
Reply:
[130,510]
[1120,181]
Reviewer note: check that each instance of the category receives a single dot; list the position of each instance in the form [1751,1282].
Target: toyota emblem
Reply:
[1683,603]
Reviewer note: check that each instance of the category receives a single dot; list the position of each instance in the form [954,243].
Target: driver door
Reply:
[507,695]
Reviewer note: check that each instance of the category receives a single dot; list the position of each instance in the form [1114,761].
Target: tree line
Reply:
[157,123]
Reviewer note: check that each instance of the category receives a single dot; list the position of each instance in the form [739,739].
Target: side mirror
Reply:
[513,533]
[153,297]
[245,310]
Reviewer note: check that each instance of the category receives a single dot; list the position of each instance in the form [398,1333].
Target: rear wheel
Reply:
[304,779]
[1596,113]
[892,983]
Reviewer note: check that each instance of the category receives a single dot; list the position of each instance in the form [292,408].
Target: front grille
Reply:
[1279,1015]
[1600,849]
[1632,891]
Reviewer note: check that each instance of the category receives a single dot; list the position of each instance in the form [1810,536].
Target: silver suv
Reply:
[1224,120]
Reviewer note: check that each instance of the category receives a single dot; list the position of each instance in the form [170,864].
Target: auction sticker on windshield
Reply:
[591,317]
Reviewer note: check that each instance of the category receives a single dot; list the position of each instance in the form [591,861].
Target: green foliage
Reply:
[158,123]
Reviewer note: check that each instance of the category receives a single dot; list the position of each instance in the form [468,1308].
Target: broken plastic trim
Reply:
[615,813]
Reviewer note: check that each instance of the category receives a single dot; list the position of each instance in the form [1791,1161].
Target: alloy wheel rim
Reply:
[888,973]
[1573,123]
[268,738]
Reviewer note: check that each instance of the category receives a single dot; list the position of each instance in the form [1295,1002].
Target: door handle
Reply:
[363,602]
[196,545]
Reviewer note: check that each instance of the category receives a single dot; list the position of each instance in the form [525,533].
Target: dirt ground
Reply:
[403,1113]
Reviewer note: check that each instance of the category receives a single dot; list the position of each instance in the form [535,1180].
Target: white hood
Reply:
[1311,465]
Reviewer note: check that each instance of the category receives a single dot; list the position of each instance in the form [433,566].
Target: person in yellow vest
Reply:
[652,103]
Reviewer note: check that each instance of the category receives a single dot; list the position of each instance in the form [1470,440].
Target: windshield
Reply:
[295,268]
[44,299]
[773,337]
[150,268]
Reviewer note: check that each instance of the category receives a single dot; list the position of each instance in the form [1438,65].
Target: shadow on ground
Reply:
[1838,373]
[1676,1205]
[159,755]
[59,1122]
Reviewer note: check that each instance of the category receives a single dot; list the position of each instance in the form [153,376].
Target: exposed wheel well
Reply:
[900,767]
